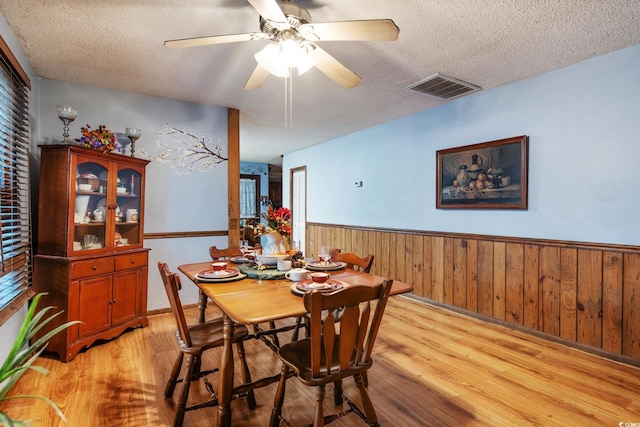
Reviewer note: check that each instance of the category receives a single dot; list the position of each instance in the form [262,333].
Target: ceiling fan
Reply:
[293,42]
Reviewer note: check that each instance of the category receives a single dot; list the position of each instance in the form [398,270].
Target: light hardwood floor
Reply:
[432,367]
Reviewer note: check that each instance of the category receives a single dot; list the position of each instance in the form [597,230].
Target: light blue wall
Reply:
[584,159]
[192,202]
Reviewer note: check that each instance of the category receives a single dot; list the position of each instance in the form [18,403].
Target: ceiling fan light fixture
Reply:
[285,53]
[269,58]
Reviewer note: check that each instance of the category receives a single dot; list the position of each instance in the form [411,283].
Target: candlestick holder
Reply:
[67,115]
[133,134]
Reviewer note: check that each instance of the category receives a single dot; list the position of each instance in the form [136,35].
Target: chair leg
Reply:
[296,330]
[337,392]
[276,341]
[307,327]
[184,392]
[369,412]
[202,305]
[173,377]
[279,398]
[319,418]
[246,375]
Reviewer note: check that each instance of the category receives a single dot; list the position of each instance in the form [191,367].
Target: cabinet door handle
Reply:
[95,268]
[133,261]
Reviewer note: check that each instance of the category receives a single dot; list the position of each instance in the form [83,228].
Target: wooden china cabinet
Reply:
[91,261]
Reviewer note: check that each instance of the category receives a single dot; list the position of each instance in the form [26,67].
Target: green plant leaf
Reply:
[24,353]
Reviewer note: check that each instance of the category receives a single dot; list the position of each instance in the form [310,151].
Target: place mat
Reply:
[267,274]
[322,266]
[303,287]
[238,276]
[240,260]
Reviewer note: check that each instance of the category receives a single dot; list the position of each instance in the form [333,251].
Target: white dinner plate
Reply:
[322,266]
[302,287]
[238,276]
[222,274]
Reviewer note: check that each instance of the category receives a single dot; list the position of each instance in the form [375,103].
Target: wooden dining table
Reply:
[249,302]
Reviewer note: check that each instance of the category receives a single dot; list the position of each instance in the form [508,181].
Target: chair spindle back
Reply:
[172,285]
[352,346]
[353,260]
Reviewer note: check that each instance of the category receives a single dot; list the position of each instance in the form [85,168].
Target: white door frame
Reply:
[298,197]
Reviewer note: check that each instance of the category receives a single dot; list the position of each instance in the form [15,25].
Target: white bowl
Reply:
[84,187]
[121,190]
[271,259]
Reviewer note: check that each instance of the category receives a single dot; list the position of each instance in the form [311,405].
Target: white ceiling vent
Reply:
[442,86]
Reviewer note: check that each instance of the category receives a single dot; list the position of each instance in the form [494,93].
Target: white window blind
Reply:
[15,217]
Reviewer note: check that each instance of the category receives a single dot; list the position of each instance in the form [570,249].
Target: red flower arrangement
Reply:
[277,220]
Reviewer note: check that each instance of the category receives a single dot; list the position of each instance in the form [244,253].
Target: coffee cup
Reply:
[284,265]
[219,266]
[297,274]
[319,277]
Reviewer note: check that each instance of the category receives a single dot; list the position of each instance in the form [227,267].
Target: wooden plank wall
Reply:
[585,293]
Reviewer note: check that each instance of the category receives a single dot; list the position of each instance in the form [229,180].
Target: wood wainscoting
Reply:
[586,294]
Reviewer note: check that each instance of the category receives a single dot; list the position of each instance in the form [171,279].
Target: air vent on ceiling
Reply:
[442,86]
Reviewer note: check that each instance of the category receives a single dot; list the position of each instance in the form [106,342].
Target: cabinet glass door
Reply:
[90,206]
[129,211]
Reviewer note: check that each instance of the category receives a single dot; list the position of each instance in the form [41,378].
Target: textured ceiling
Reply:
[485,42]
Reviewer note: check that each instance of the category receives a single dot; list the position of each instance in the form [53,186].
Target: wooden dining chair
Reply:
[327,356]
[353,260]
[193,341]
[216,255]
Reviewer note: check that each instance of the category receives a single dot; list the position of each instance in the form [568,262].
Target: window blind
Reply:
[15,215]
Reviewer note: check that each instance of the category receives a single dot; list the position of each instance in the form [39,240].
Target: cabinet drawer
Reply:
[91,267]
[124,262]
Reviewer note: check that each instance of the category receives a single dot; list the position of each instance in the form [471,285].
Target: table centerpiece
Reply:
[101,139]
[276,231]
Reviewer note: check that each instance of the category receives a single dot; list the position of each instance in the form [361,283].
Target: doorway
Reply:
[249,197]
[298,186]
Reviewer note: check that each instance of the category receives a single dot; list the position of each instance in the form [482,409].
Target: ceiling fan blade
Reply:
[209,40]
[257,78]
[374,29]
[269,10]
[334,69]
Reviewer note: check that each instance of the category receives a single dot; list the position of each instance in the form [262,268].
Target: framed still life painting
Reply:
[489,175]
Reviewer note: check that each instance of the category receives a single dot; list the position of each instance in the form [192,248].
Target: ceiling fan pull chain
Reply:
[288,103]
[291,101]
